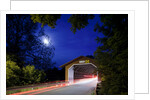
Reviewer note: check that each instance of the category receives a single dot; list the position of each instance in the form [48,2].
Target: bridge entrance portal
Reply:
[82,71]
[80,68]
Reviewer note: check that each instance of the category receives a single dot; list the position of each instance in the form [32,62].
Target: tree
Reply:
[55,74]
[90,56]
[25,42]
[15,76]
[41,54]
[78,21]
[49,19]
[20,31]
[32,75]
[113,55]
[12,73]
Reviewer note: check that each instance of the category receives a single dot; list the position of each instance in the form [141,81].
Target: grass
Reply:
[12,90]
[22,90]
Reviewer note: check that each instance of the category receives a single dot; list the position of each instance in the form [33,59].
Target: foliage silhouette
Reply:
[113,55]
[24,47]
[16,76]
[49,19]
[25,42]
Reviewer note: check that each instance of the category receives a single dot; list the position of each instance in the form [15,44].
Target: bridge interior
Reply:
[82,71]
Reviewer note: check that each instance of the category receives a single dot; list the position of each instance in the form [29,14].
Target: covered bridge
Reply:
[80,68]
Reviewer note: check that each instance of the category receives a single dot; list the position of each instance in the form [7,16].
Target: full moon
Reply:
[46,42]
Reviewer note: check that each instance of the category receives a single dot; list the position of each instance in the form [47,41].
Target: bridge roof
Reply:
[77,59]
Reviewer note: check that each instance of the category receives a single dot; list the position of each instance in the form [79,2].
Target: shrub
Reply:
[12,73]
[32,75]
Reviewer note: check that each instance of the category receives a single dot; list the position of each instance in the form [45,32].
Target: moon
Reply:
[45,41]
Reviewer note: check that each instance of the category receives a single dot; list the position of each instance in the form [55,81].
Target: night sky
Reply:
[68,45]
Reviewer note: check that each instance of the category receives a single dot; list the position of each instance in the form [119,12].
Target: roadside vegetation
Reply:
[112,56]
[22,90]
[27,75]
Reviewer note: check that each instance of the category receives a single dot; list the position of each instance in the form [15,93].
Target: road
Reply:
[83,87]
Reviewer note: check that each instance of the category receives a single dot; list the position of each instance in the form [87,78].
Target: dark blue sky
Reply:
[69,45]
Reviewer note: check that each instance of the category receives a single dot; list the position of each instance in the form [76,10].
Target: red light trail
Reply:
[56,86]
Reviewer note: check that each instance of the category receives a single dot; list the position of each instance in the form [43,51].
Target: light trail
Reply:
[56,86]
[32,91]
[39,85]
[84,81]
[46,90]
